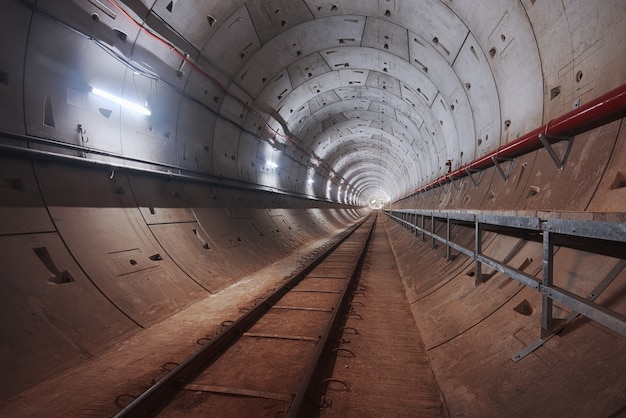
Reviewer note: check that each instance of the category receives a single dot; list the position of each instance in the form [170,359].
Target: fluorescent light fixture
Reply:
[271,164]
[124,103]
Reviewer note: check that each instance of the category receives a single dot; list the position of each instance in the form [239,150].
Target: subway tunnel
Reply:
[161,155]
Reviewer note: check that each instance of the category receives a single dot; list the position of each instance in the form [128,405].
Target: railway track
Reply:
[265,362]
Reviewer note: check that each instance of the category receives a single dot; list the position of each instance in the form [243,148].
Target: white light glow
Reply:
[121,102]
[271,164]
[378,200]
[310,181]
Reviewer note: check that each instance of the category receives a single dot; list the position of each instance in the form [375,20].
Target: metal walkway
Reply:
[601,233]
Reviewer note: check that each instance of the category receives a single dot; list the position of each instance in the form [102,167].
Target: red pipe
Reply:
[606,108]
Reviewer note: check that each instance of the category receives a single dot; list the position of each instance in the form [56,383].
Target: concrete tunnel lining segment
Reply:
[350,100]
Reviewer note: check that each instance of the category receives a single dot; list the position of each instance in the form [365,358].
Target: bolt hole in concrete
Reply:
[133,262]
[524,308]
[579,76]
[61,278]
[619,181]
[58,277]
[533,191]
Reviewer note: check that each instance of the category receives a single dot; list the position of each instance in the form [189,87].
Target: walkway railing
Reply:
[599,236]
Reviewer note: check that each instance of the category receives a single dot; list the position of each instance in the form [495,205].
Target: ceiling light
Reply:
[271,164]
[122,102]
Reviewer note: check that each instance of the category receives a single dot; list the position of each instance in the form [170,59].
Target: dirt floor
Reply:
[386,372]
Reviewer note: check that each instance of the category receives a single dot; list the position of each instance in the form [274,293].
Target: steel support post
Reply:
[432,230]
[423,234]
[448,239]
[548,322]
[478,236]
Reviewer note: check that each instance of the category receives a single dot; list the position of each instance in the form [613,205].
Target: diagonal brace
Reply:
[547,144]
[497,161]
[470,174]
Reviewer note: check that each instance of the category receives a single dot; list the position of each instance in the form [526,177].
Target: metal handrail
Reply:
[612,233]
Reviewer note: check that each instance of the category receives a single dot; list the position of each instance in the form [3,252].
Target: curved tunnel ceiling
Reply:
[370,89]
[370,97]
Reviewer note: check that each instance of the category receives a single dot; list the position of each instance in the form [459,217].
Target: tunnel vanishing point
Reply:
[160,154]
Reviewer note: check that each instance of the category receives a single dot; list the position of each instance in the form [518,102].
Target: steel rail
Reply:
[313,370]
[158,395]
[606,108]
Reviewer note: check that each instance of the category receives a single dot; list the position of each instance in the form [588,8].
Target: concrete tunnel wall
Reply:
[472,332]
[93,257]
[309,119]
